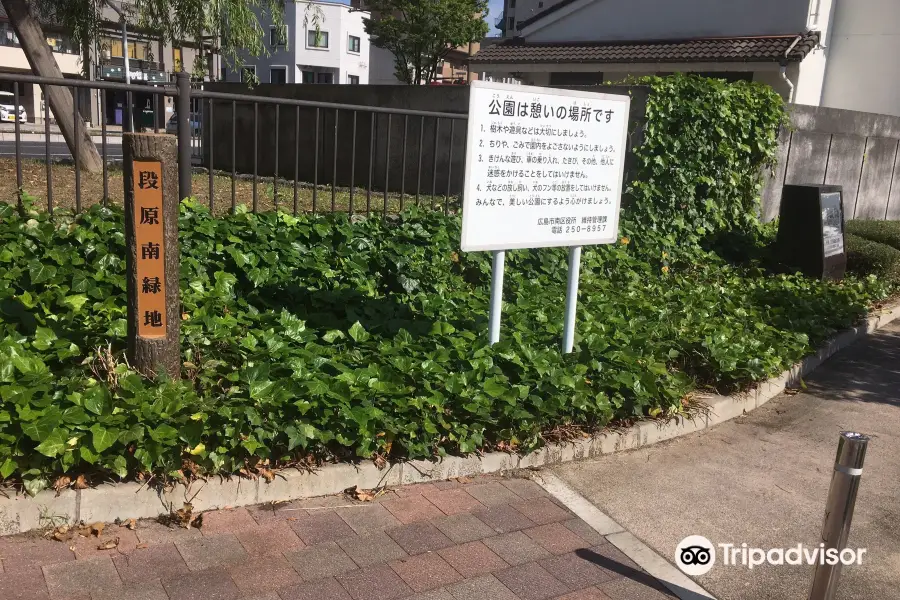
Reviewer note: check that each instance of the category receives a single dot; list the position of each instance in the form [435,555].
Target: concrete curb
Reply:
[20,513]
[643,556]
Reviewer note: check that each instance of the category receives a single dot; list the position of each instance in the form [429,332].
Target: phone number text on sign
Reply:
[544,167]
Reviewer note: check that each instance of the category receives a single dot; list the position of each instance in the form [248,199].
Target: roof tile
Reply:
[735,49]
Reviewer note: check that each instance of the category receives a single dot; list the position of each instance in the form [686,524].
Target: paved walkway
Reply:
[489,538]
[762,479]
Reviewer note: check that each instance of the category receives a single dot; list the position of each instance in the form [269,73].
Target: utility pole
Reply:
[121,12]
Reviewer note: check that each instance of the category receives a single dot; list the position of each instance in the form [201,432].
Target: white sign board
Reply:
[832,224]
[544,167]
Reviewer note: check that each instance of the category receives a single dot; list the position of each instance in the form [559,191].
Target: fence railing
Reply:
[300,150]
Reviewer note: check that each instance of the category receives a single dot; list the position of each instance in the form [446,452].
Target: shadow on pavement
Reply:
[869,372]
[639,576]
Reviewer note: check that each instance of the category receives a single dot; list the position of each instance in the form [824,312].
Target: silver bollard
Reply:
[848,467]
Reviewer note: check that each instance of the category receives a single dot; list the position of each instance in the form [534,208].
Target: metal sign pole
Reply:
[848,468]
[571,299]
[497,266]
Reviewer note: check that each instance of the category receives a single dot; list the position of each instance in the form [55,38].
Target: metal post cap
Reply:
[851,452]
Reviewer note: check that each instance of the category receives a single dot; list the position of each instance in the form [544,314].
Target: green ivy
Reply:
[706,144]
[350,338]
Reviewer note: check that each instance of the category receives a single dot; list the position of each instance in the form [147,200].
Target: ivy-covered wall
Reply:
[704,148]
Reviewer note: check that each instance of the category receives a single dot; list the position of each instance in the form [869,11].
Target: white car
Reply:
[8,109]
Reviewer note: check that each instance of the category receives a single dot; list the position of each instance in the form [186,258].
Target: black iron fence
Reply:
[304,155]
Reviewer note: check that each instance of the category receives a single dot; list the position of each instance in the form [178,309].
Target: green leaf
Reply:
[120,466]
[75,301]
[54,444]
[102,438]
[358,332]
[332,335]
[43,338]
[292,327]
[35,485]
[40,272]
[95,399]
[495,388]
[7,468]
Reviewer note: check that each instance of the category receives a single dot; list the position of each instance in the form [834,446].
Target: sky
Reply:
[496,8]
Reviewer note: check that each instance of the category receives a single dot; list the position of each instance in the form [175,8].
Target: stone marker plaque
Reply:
[811,230]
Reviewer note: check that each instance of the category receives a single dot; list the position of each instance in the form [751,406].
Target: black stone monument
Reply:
[811,230]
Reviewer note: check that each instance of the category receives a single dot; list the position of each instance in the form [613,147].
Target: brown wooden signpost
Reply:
[151,234]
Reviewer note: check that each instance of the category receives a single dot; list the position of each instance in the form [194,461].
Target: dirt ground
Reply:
[226,193]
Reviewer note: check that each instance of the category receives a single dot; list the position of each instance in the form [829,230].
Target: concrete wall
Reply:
[862,71]
[442,159]
[591,20]
[856,150]
[440,163]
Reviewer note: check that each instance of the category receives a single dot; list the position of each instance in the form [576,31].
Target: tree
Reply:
[421,33]
[232,24]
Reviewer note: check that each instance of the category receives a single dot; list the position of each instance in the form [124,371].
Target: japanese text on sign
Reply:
[150,260]
[544,167]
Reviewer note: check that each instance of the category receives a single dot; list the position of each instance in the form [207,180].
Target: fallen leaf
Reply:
[462,480]
[62,533]
[97,529]
[80,483]
[186,517]
[61,484]
[140,546]
[359,494]
[109,545]
[130,524]
[266,474]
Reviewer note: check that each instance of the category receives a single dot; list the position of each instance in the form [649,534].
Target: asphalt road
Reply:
[762,479]
[57,149]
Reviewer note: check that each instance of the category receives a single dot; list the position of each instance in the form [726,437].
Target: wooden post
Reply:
[151,236]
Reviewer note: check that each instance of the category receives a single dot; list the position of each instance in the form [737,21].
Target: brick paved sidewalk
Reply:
[489,538]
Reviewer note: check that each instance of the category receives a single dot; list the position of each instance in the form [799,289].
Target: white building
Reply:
[339,53]
[836,53]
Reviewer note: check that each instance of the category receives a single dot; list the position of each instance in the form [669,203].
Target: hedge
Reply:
[867,257]
[886,232]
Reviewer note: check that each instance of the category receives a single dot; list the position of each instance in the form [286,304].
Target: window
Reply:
[248,73]
[275,39]
[512,3]
[8,35]
[278,75]
[176,60]
[511,24]
[324,78]
[136,50]
[309,77]
[353,79]
[540,5]
[353,44]
[316,39]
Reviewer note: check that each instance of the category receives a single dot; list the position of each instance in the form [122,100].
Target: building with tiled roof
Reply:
[836,53]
